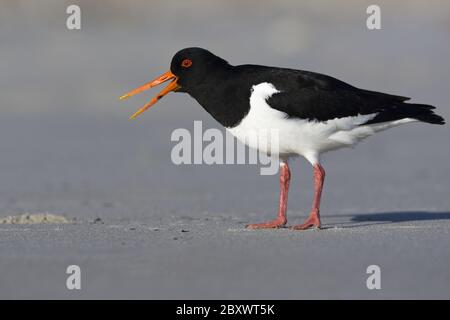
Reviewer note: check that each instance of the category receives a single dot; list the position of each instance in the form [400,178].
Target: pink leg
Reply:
[280,221]
[314,217]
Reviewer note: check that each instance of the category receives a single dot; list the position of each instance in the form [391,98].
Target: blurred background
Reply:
[67,146]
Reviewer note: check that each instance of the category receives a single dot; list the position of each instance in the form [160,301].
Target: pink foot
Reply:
[313,221]
[273,224]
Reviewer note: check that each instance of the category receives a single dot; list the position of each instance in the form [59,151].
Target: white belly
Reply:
[297,136]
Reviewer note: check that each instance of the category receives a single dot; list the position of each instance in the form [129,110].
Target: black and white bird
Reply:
[312,113]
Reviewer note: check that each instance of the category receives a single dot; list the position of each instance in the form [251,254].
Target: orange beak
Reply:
[173,86]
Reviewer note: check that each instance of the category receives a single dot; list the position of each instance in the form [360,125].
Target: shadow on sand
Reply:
[401,216]
[371,219]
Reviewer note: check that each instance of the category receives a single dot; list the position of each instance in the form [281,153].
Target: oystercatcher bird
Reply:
[312,113]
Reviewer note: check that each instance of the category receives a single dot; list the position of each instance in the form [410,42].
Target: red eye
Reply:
[186,63]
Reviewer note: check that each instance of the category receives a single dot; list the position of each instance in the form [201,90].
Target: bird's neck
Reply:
[224,95]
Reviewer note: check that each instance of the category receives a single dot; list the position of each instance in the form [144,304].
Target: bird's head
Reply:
[189,68]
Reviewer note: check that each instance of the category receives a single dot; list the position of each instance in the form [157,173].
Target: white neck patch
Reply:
[261,92]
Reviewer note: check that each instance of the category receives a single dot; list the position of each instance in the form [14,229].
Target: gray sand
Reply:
[145,228]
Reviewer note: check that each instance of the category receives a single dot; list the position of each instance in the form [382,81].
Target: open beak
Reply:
[173,86]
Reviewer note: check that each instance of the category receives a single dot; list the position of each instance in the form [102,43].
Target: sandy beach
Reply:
[139,226]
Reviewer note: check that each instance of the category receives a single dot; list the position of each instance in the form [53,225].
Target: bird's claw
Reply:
[273,224]
[313,222]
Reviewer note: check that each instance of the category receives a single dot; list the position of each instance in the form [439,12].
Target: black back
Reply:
[224,91]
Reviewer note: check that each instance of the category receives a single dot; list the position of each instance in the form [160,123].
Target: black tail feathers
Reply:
[423,112]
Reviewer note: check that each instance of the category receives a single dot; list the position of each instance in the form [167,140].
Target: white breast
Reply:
[297,136]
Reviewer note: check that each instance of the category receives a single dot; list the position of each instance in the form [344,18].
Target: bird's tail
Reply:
[422,112]
[403,110]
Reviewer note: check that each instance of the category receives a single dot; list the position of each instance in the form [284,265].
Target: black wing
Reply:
[314,96]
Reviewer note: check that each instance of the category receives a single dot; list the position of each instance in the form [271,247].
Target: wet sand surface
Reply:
[145,228]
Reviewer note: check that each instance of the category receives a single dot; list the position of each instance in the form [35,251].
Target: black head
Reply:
[192,66]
